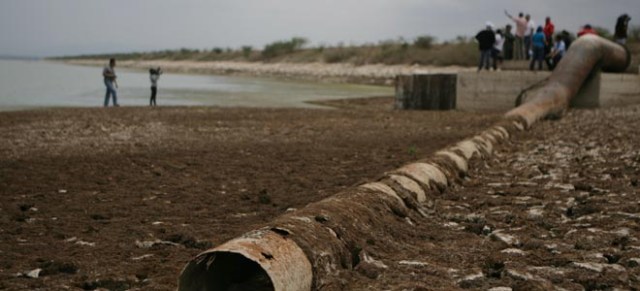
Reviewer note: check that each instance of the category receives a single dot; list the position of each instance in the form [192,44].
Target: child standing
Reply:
[154,75]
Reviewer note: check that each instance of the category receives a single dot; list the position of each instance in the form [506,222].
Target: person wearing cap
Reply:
[538,43]
[521,27]
[620,35]
[486,38]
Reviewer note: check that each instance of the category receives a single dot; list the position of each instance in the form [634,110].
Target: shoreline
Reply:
[319,72]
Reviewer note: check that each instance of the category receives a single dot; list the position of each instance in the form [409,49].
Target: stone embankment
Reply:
[366,74]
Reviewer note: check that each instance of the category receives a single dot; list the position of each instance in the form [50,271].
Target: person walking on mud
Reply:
[109,75]
[154,75]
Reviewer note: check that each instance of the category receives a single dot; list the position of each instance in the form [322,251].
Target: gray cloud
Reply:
[40,27]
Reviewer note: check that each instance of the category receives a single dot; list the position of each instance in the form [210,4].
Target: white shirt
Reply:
[560,48]
[154,79]
[499,44]
[531,27]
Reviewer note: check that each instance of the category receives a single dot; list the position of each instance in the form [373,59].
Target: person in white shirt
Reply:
[559,48]
[496,53]
[531,29]
[154,75]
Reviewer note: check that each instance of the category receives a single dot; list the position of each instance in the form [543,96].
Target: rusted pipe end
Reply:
[260,260]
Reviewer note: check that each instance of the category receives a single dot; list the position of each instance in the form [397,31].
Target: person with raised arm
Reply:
[521,27]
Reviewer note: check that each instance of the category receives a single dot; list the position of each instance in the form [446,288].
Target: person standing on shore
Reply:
[528,36]
[154,75]
[538,43]
[509,40]
[109,75]
[521,27]
[620,35]
[486,39]
[549,30]
[496,53]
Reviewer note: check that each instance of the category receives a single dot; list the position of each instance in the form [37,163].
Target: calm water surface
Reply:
[32,84]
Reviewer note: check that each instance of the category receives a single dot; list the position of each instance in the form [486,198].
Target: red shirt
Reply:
[587,31]
[549,28]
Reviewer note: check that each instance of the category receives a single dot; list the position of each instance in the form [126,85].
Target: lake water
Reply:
[33,84]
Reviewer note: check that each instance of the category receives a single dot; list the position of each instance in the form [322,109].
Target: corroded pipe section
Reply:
[310,248]
[587,53]
[259,260]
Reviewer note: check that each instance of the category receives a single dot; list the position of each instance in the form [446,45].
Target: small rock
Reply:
[142,257]
[505,238]
[413,263]
[536,212]
[519,275]
[589,266]
[33,273]
[500,289]
[563,187]
[62,191]
[149,244]
[85,243]
[513,251]
[370,267]
[472,281]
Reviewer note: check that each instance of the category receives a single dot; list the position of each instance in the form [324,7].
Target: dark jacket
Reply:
[486,39]
[621,26]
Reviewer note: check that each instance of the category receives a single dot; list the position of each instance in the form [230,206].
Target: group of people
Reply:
[109,75]
[530,42]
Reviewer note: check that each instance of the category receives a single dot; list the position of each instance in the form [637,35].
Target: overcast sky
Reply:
[66,27]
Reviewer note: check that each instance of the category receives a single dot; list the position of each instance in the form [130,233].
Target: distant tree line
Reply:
[423,50]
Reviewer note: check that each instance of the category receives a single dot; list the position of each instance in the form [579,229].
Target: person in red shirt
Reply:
[548,31]
[587,29]
[549,28]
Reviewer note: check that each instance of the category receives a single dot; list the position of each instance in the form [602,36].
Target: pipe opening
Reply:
[224,271]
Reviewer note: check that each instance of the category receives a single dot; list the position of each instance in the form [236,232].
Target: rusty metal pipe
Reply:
[587,53]
[305,249]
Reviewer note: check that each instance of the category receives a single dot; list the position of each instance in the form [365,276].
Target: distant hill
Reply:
[24,58]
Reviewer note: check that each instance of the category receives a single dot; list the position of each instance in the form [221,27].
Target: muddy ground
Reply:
[122,198]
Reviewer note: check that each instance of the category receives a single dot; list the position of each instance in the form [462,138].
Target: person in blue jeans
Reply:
[538,43]
[109,75]
[486,39]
